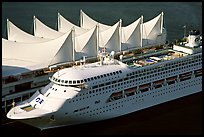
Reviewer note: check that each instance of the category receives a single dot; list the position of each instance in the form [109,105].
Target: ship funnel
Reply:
[193,38]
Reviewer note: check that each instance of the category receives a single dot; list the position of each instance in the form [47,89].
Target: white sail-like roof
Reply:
[41,30]
[71,42]
[66,51]
[34,54]
[86,44]
[132,35]
[110,38]
[64,26]
[18,35]
[87,23]
[153,31]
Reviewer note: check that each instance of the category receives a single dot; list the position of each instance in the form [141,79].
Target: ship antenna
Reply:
[184,35]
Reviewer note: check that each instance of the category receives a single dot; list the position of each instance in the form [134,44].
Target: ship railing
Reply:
[26,75]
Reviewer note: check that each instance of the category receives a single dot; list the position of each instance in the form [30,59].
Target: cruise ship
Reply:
[114,87]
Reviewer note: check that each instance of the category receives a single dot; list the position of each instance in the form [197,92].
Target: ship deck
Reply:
[151,56]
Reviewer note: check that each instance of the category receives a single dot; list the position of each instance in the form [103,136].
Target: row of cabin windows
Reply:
[101,76]
[115,84]
[181,62]
[86,80]
[147,71]
[183,85]
[185,62]
[159,93]
[169,83]
[158,74]
[131,80]
[118,83]
[189,83]
[99,111]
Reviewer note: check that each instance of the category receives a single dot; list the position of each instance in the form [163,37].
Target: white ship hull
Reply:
[118,107]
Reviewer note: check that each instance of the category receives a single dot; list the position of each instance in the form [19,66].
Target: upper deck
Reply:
[149,57]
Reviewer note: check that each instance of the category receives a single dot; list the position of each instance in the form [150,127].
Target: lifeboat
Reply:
[144,86]
[185,75]
[159,82]
[171,79]
[130,90]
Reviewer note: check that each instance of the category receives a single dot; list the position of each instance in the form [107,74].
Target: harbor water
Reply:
[179,117]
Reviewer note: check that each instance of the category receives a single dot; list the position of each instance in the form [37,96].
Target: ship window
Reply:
[58,80]
[74,82]
[78,81]
[101,76]
[88,79]
[70,82]
[113,73]
[66,81]
[120,80]
[95,77]
[85,80]
[81,81]
[94,87]
[108,74]
[62,81]
[104,75]
[108,83]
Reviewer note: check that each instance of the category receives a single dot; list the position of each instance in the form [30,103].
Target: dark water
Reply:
[176,14]
[179,117]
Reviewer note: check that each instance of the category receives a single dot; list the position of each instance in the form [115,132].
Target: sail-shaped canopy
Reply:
[41,30]
[132,35]
[18,35]
[49,47]
[110,38]
[86,44]
[87,23]
[64,25]
[66,51]
[153,31]
[42,54]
